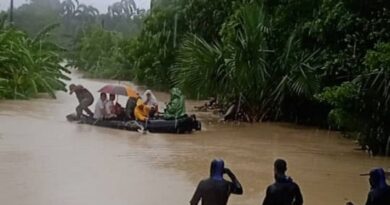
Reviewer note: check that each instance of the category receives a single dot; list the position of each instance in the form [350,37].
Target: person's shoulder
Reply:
[271,186]
[294,183]
[203,182]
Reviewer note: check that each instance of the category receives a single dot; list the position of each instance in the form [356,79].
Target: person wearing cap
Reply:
[215,190]
[84,97]
[380,191]
[284,191]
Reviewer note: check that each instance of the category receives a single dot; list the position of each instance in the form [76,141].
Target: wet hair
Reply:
[280,166]
[216,169]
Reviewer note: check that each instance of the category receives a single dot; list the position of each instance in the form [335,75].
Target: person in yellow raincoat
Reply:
[141,111]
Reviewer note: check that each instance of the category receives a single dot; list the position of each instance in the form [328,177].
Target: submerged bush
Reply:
[363,105]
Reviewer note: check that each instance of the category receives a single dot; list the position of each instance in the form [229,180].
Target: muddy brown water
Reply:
[46,160]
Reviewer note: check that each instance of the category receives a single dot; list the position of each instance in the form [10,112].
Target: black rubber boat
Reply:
[183,125]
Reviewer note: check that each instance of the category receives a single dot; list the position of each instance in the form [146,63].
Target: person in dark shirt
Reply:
[216,190]
[380,191]
[84,97]
[284,191]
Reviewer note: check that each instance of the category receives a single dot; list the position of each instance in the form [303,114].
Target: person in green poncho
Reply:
[176,107]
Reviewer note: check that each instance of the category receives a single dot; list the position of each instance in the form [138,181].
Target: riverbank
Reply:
[47,160]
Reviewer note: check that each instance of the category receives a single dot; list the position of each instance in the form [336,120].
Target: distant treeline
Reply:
[74,18]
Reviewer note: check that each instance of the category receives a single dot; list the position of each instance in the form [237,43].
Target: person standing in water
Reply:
[216,190]
[380,191]
[84,97]
[284,191]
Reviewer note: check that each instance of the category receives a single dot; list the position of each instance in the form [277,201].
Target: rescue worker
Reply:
[215,190]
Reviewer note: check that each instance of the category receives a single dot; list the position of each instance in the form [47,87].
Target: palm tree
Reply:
[246,68]
[69,8]
[124,8]
[86,14]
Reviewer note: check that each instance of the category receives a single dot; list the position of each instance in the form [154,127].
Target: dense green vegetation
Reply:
[28,66]
[320,62]
[317,62]
[100,53]
[44,32]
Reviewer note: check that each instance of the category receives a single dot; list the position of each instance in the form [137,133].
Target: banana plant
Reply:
[29,66]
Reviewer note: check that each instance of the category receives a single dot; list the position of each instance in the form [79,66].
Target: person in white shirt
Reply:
[109,107]
[149,98]
[100,109]
[151,101]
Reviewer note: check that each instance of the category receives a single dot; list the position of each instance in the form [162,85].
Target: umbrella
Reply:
[119,90]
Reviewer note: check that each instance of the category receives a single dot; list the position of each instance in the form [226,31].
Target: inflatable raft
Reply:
[183,125]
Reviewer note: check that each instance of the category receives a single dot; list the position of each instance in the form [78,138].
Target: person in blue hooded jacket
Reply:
[284,191]
[215,190]
[380,191]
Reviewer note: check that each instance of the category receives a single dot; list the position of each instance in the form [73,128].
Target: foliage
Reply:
[345,100]
[303,61]
[99,53]
[154,49]
[200,69]
[363,105]
[28,66]
[246,67]
[75,17]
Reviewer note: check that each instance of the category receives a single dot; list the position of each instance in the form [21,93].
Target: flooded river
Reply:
[45,160]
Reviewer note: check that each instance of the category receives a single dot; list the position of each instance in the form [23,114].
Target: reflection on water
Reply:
[46,160]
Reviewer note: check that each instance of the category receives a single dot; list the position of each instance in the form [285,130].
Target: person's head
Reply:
[112,97]
[216,169]
[140,104]
[103,96]
[72,88]
[175,92]
[377,178]
[148,95]
[280,167]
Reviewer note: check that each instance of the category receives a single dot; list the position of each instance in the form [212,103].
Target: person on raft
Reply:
[216,190]
[141,111]
[84,97]
[100,107]
[284,190]
[110,107]
[151,101]
[176,106]
[131,104]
